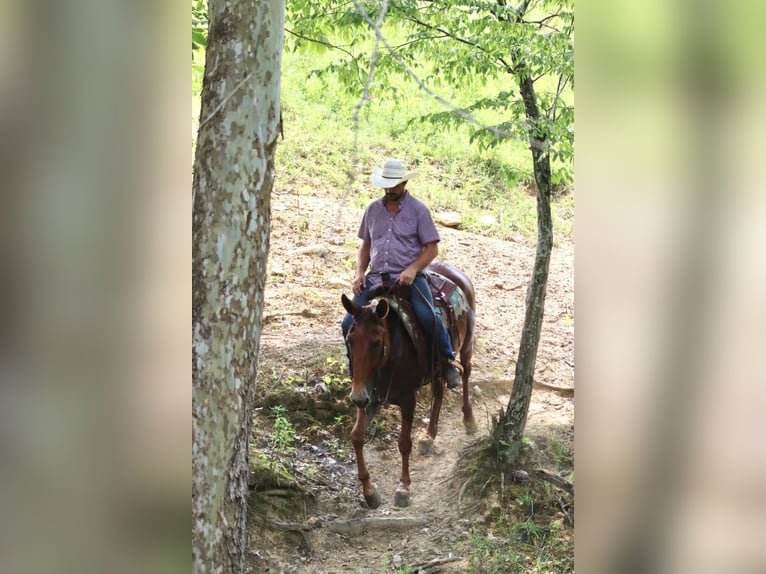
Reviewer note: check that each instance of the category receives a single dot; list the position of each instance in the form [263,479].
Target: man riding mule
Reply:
[399,239]
[386,361]
[388,368]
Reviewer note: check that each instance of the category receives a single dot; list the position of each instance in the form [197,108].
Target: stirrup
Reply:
[453,374]
[455,365]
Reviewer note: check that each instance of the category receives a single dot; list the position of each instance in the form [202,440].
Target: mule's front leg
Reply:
[369,489]
[402,496]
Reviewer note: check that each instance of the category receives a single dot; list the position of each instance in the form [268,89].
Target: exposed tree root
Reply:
[554,479]
[354,526]
[433,565]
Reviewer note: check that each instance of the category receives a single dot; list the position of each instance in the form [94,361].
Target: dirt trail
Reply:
[312,253]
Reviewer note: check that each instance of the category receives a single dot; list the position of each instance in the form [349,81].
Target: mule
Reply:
[389,367]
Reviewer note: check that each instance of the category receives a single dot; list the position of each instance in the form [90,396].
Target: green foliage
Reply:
[520,546]
[337,372]
[338,446]
[562,453]
[386,567]
[341,425]
[528,442]
[525,531]
[269,471]
[491,553]
[526,501]
[321,153]
[528,531]
[283,435]
[272,469]
[474,53]
[199,24]
[324,67]
[199,42]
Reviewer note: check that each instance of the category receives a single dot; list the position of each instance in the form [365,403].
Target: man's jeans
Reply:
[423,306]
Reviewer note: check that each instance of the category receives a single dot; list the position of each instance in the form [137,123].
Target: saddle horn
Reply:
[382,309]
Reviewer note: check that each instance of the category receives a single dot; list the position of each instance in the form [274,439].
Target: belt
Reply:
[384,275]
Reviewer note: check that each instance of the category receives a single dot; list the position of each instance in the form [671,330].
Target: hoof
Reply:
[372,500]
[402,497]
[470,426]
[425,445]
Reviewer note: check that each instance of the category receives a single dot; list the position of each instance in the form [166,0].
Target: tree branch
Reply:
[542,22]
[562,83]
[328,45]
[521,10]
[366,89]
[462,113]
[411,42]
[447,34]
[315,41]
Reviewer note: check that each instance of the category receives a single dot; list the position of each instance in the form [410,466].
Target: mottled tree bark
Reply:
[509,429]
[233,175]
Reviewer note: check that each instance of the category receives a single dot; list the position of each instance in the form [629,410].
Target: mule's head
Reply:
[368,347]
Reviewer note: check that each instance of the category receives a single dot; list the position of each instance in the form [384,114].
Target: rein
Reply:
[385,353]
[395,294]
[390,384]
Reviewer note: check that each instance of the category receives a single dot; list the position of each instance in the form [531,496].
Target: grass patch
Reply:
[322,153]
[521,546]
[454,175]
[523,536]
[522,526]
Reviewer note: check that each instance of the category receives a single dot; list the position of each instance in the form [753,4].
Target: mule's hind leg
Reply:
[402,496]
[437,392]
[369,489]
[466,354]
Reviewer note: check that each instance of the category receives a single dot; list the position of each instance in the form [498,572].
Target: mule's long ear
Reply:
[350,306]
[382,309]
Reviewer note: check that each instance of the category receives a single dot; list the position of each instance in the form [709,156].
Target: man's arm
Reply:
[362,262]
[428,254]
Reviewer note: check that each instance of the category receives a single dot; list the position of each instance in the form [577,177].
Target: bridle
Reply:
[384,353]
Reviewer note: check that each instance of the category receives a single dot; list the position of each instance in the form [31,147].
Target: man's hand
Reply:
[357,284]
[408,276]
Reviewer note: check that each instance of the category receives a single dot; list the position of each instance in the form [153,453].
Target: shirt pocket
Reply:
[377,231]
[379,234]
[406,228]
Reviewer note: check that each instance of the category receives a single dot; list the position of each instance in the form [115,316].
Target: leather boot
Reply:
[453,373]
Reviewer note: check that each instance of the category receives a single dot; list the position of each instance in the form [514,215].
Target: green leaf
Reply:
[199,39]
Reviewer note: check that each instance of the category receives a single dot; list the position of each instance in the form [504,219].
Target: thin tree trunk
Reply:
[509,430]
[233,175]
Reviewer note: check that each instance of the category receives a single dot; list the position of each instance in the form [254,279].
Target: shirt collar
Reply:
[402,201]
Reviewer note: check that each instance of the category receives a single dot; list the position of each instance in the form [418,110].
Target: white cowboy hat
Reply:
[393,172]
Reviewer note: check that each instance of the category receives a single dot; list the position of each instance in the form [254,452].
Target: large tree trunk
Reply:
[233,175]
[509,429]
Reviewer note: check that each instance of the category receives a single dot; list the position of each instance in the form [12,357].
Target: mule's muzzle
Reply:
[360,397]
